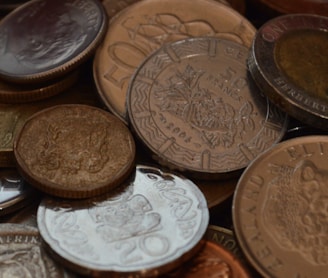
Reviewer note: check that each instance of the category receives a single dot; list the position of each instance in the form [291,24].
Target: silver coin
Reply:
[151,225]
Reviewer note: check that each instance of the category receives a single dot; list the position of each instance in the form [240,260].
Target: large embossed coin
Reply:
[194,107]
[44,39]
[289,62]
[74,151]
[22,254]
[151,224]
[145,26]
[280,211]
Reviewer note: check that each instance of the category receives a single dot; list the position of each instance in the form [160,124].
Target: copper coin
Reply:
[289,62]
[212,261]
[113,7]
[151,224]
[193,105]
[42,40]
[22,255]
[145,26]
[74,151]
[280,209]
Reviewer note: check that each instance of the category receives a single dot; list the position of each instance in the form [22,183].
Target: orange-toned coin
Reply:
[145,26]
[74,151]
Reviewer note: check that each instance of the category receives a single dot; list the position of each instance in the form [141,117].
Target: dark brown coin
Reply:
[74,151]
[289,62]
[41,40]
[280,209]
[192,104]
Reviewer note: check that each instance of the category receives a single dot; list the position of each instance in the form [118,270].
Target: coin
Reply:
[192,104]
[113,7]
[212,261]
[74,151]
[42,40]
[280,209]
[145,26]
[151,224]
[289,62]
[21,254]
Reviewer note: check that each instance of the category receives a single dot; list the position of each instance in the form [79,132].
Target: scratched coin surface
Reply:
[289,62]
[74,151]
[22,255]
[151,224]
[145,26]
[193,105]
[41,40]
[280,209]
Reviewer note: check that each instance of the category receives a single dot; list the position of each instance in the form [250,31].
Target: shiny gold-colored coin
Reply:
[145,26]
[74,151]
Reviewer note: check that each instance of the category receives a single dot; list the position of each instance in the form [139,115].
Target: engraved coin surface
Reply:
[194,107]
[145,26]
[45,39]
[22,255]
[280,209]
[289,62]
[151,224]
[74,151]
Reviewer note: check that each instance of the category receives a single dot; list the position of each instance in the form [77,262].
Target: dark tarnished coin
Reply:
[145,26]
[44,39]
[212,261]
[289,62]
[14,191]
[74,151]
[193,105]
[151,224]
[22,255]
[280,211]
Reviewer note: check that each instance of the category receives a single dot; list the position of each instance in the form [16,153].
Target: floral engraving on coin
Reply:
[296,210]
[216,121]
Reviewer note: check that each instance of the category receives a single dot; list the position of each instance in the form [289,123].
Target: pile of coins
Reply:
[162,138]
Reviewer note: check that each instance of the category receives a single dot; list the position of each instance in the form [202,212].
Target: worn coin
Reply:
[151,224]
[145,26]
[289,62]
[74,151]
[41,40]
[280,209]
[22,255]
[192,104]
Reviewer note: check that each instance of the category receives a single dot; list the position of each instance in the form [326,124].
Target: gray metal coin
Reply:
[152,224]
[194,107]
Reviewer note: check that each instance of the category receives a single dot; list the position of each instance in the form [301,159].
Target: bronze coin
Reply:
[151,224]
[145,26]
[194,107]
[42,40]
[74,151]
[289,62]
[22,254]
[280,209]
[212,261]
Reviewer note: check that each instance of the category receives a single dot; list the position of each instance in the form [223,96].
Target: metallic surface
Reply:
[151,224]
[289,63]
[145,26]
[192,104]
[42,40]
[280,211]
[74,151]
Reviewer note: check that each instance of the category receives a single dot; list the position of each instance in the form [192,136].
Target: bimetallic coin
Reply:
[193,105]
[74,151]
[280,209]
[151,224]
[42,40]
[145,26]
[22,255]
[289,62]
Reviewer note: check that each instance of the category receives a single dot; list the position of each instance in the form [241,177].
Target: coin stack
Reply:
[162,138]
